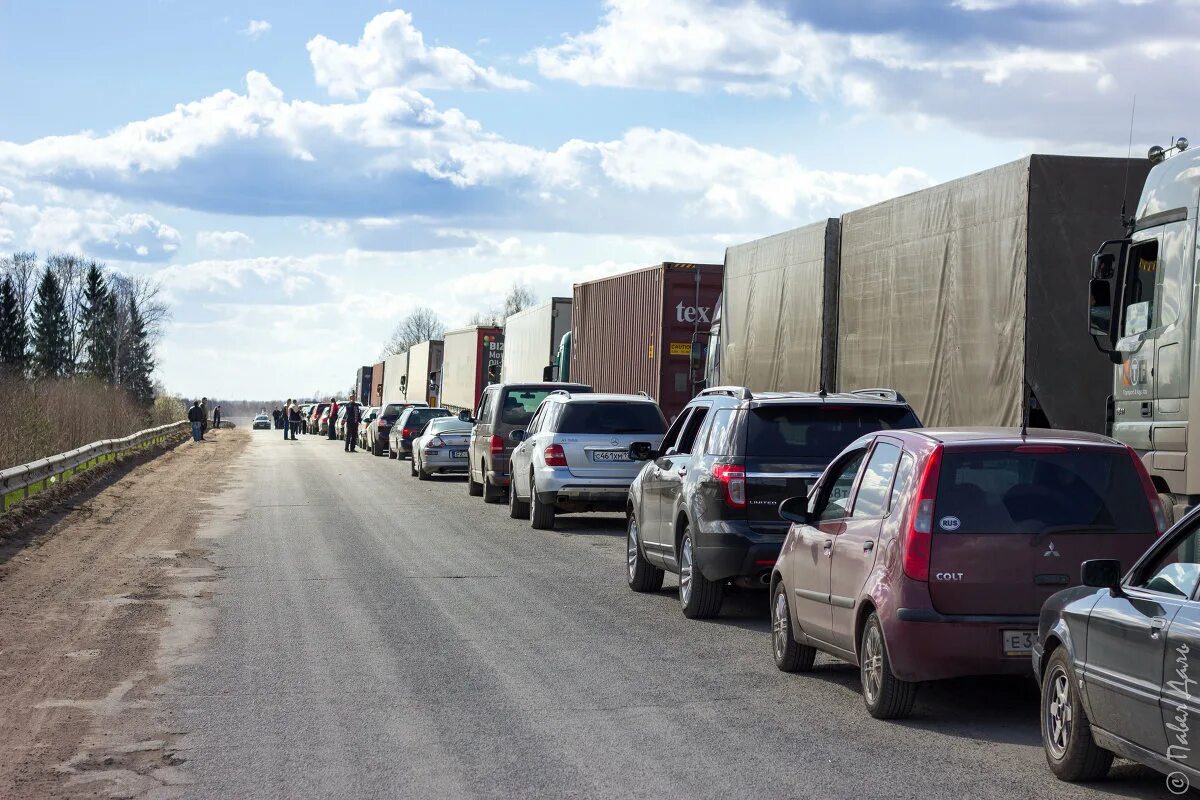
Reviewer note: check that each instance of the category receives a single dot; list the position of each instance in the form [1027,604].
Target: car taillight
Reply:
[1160,514]
[497,444]
[554,455]
[918,543]
[406,433]
[383,423]
[435,442]
[733,480]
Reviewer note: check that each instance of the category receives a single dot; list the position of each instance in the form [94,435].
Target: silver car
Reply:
[441,447]
[574,454]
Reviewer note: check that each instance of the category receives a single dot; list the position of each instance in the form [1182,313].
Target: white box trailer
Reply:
[471,359]
[531,339]
[424,372]
[395,378]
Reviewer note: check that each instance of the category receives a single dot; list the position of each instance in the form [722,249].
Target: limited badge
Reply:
[950,523]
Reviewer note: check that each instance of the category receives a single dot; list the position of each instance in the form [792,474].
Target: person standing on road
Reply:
[288,411]
[217,417]
[204,420]
[195,416]
[333,412]
[353,412]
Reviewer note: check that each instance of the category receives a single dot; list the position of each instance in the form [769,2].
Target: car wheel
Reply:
[642,575]
[1066,733]
[422,473]
[376,450]
[541,515]
[517,508]
[492,494]
[790,655]
[391,452]
[886,696]
[474,489]
[412,467]
[700,597]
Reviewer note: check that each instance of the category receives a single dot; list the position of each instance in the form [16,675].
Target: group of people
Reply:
[290,419]
[198,416]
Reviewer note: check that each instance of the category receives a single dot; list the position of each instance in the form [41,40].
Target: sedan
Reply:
[262,422]
[441,447]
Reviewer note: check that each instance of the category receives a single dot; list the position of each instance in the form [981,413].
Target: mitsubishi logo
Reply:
[1051,551]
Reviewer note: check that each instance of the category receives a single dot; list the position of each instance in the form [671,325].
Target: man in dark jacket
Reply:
[353,415]
[217,417]
[196,417]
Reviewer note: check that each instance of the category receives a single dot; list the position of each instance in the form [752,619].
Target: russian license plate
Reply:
[610,455]
[458,453]
[1017,643]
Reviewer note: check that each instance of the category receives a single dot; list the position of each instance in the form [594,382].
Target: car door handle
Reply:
[682,471]
[828,547]
[868,547]
[1156,626]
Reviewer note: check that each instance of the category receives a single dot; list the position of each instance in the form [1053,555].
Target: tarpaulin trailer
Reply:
[471,359]
[424,372]
[636,332]
[395,378]
[531,342]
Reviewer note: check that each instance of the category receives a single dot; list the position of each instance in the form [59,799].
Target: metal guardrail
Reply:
[19,483]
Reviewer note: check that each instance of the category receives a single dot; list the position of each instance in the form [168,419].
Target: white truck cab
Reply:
[1142,312]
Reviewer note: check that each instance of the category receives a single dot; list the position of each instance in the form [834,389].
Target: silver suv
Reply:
[574,455]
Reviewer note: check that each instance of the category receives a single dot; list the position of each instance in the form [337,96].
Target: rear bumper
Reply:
[737,551]
[581,496]
[924,645]
[435,461]
[498,470]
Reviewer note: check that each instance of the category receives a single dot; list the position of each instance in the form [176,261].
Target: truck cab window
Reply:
[1141,298]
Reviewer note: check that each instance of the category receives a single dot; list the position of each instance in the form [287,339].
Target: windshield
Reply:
[517,405]
[1036,492]
[818,432]
[611,418]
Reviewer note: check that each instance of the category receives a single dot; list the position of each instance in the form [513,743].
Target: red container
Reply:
[633,332]
[471,359]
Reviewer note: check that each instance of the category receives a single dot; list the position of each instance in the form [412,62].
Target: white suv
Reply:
[574,455]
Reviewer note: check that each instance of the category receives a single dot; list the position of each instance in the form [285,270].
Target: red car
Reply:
[927,554]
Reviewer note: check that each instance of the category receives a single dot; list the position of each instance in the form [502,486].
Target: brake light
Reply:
[1160,514]
[435,442]
[554,455]
[497,444]
[1039,448]
[406,433]
[733,480]
[383,423]
[918,542]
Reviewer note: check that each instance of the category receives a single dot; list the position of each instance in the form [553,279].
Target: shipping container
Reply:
[395,378]
[472,358]
[362,384]
[636,332]
[377,384]
[424,372]
[531,342]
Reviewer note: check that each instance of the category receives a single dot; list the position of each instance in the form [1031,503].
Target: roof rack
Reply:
[882,394]
[560,391]
[739,392]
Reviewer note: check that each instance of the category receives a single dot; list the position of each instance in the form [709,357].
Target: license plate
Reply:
[1017,643]
[610,455]
[458,453]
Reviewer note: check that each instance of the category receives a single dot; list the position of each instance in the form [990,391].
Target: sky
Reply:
[298,175]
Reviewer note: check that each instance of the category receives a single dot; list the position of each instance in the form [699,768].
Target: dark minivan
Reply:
[383,426]
[503,408]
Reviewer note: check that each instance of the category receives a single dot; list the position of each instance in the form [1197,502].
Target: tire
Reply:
[643,576]
[517,508]
[376,450]
[699,597]
[885,695]
[412,467]
[493,494]
[790,655]
[391,452]
[1066,732]
[541,515]
[474,489]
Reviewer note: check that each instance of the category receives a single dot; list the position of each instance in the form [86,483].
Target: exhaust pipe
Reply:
[765,579]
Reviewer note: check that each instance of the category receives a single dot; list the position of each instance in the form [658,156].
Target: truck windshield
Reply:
[611,418]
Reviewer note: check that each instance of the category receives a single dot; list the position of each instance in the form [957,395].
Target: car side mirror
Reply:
[671,451]
[641,451]
[795,509]
[517,436]
[1102,573]
[465,416]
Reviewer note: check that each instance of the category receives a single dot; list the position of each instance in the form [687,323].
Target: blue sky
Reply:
[298,175]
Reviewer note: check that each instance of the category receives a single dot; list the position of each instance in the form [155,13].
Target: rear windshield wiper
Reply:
[1053,529]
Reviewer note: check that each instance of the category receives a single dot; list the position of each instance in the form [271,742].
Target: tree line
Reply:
[69,316]
[423,323]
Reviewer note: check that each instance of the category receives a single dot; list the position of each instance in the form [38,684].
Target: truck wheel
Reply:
[790,655]
[517,509]
[474,489]
[1066,733]
[642,575]
[541,515]
[700,597]
[886,696]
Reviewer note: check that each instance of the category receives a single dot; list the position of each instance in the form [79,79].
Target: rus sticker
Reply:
[950,523]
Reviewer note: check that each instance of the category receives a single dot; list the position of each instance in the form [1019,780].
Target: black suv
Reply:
[706,504]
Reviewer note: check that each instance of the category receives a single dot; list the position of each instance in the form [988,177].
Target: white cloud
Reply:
[97,232]
[222,240]
[256,29]
[392,52]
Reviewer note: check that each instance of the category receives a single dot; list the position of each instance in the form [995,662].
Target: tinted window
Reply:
[448,425]
[688,438]
[876,482]
[672,435]
[1031,492]
[720,433]
[817,432]
[611,418]
[517,405]
[419,416]
[392,412]
[837,494]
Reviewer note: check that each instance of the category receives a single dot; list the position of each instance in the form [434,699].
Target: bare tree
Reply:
[71,271]
[519,298]
[22,267]
[420,325]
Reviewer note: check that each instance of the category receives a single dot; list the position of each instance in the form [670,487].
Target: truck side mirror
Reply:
[1103,265]
[1100,317]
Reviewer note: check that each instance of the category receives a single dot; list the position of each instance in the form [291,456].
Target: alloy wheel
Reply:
[872,664]
[631,547]
[779,624]
[1059,713]
[685,571]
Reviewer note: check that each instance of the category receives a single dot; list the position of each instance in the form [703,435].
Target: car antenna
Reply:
[1128,153]
[1025,397]
[821,391]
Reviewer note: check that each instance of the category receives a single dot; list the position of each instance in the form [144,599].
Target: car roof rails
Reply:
[882,394]
[560,391]
[739,392]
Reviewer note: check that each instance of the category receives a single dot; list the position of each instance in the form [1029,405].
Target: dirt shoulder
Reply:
[83,611]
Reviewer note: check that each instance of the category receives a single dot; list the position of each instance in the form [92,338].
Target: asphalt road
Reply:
[377,636]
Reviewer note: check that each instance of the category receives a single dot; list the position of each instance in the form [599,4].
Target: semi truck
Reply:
[638,331]
[957,296]
[362,384]
[1142,314]
[424,379]
[376,396]
[531,342]
[472,358]
[395,378]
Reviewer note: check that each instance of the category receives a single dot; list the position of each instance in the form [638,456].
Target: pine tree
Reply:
[14,333]
[97,326]
[51,329]
[138,363]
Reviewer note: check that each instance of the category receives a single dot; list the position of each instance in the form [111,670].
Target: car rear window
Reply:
[611,418]
[392,412]
[817,432]
[419,416]
[1035,492]
[517,405]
